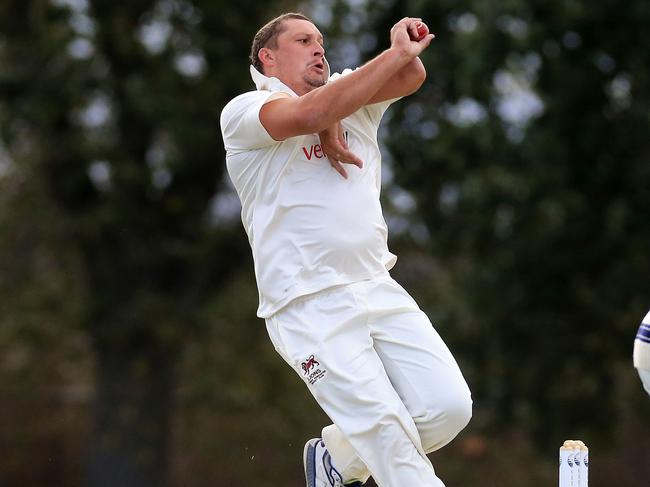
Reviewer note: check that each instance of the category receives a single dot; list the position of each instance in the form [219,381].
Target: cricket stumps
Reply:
[574,464]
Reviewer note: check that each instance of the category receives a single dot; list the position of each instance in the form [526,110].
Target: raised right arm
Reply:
[324,106]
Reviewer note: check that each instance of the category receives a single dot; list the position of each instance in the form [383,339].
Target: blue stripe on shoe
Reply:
[311,466]
[330,470]
[327,463]
[644,332]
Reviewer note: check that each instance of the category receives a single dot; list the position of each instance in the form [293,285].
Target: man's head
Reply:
[290,47]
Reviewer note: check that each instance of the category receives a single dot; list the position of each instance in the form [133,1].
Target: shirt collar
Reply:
[274,84]
[269,83]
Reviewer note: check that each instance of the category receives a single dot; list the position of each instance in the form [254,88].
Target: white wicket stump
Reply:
[574,464]
[583,467]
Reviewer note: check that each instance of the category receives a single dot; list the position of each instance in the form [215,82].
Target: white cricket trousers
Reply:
[383,375]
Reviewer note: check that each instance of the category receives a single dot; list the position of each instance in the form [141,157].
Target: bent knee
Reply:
[460,414]
[457,414]
[442,424]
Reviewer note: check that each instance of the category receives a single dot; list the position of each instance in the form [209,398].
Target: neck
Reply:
[298,88]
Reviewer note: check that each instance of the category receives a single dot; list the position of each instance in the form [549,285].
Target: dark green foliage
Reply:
[541,223]
[120,135]
[527,244]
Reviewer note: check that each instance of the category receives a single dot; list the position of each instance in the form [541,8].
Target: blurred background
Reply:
[516,189]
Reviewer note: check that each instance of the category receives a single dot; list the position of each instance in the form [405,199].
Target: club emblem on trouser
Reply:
[309,364]
[312,370]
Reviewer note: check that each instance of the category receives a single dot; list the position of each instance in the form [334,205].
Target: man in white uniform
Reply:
[641,354]
[367,353]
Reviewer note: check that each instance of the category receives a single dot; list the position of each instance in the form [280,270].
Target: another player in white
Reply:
[367,353]
[642,352]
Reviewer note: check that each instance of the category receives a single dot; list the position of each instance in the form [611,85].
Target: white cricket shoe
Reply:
[319,470]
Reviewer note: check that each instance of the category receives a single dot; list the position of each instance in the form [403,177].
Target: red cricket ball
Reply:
[423,30]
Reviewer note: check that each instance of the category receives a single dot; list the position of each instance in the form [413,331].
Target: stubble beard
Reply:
[313,82]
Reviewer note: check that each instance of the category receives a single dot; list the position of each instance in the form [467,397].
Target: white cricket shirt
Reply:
[308,227]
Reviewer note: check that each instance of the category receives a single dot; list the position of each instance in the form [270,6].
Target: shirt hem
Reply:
[311,290]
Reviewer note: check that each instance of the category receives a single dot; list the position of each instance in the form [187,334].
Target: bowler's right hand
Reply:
[400,39]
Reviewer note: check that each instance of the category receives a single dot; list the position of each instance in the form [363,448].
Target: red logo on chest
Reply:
[314,151]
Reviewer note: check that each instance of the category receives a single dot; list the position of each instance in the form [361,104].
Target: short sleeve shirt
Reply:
[308,227]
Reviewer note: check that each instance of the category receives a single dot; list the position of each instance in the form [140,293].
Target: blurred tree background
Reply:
[516,189]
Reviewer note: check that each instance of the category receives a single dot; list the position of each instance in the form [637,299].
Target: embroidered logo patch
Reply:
[311,370]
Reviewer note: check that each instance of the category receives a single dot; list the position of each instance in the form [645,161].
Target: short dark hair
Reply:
[267,36]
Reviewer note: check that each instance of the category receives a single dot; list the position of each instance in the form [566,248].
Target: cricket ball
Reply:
[423,30]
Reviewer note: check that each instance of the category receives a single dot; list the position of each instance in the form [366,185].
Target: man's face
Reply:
[298,59]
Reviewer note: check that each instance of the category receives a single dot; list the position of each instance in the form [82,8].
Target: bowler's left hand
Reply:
[332,140]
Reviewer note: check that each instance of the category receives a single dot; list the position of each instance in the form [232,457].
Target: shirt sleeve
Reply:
[241,127]
[376,110]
